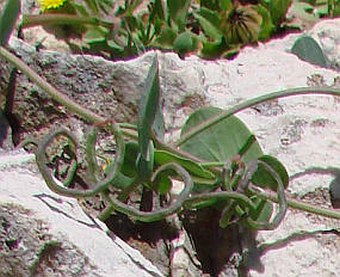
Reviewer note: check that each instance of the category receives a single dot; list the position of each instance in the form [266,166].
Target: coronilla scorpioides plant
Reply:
[217,158]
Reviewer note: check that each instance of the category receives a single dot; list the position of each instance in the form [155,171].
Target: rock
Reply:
[107,88]
[44,234]
[299,247]
[327,34]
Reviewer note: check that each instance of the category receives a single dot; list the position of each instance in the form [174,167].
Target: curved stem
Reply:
[248,103]
[91,155]
[298,204]
[50,90]
[198,201]
[281,200]
[60,188]
[157,214]
[45,19]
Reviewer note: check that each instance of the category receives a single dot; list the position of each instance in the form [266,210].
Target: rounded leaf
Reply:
[263,178]
[221,141]
[307,49]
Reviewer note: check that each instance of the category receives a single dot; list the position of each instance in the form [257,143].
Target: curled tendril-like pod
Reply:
[196,201]
[61,188]
[159,214]
[234,171]
[91,155]
[243,183]
[274,223]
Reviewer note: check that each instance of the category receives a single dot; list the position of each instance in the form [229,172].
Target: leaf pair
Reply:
[229,138]
[8,18]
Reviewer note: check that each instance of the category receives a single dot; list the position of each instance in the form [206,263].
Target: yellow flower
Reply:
[50,4]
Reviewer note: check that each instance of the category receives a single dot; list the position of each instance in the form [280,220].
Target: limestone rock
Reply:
[44,234]
[327,34]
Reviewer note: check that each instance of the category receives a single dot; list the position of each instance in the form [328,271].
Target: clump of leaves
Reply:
[210,29]
[217,158]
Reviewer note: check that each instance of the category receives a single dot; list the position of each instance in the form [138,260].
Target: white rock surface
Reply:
[21,185]
[299,247]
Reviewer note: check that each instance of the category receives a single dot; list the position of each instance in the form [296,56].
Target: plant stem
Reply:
[313,209]
[212,164]
[50,90]
[295,204]
[45,19]
[248,103]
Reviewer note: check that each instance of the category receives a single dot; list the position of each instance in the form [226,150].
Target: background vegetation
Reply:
[208,28]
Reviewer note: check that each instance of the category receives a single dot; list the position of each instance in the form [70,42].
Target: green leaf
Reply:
[115,45]
[267,26]
[278,10]
[122,181]
[184,43]
[165,39]
[145,166]
[213,50]
[150,122]
[322,10]
[97,6]
[132,6]
[226,4]
[80,9]
[132,23]
[95,34]
[212,16]
[336,10]
[150,118]
[163,157]
[93,6]
[231,52]
[162,183]
[9,16]
[133,166]
[106,5]
[307,49]
[210,4]
[156,10]
[216,5]
[221,141]
[130,158]
[178,10]
[209,22]
[264,210]
[263,178]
